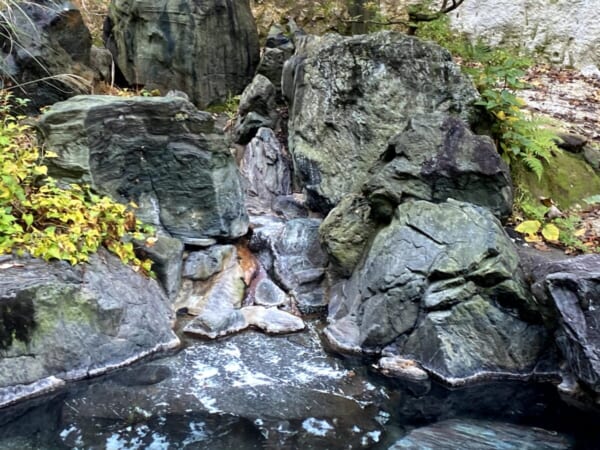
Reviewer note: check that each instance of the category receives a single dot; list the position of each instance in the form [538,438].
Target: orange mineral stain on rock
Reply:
[248,263]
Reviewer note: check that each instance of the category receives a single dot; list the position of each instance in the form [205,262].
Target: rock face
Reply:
[565,32]
[349,96]
[440,285]
[257,109]
[162,153]
[45,39]
[207,48]
[482,435]
[571,289]
[65,323]
[435,158]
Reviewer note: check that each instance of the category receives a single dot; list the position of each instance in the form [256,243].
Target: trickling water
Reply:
[252,391]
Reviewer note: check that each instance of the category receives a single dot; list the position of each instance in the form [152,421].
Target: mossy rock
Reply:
[568,179]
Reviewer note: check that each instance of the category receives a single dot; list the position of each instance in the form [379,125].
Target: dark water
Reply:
[251,391]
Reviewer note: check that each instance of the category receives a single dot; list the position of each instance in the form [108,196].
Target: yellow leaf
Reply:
[151,241]
[500,115]
[40,170]
[532,238]
[50,154]
[550,232]
[529,227]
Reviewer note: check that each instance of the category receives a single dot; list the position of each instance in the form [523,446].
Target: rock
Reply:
[564,33]
[160,152]
[272,320]
[290,206]
[345,232]
[208,49]
[278,49]
[45,40]
[266,168]
[397,367]
[350,95]
[591,154]
[570,142]
[166,254]
[470,434]
[441,285]
[263,292]
[217,300]
[101,62]
[435,158]
[257,109]
[571,287]
[201,265]
[65,323]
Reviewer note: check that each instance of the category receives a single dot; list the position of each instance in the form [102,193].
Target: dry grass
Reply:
[93,13]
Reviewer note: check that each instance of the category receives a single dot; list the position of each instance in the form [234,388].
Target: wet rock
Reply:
[45,40]
[201,265]
[397,367]
[571,287]
[267,293]
[66,323]
[345,232]
[162,153]
[469,434]
[435,158]
[350,95]
[208,49]
[166,254]
[215,301]
[257,109]
[267,169]
[272,320]
[441,285]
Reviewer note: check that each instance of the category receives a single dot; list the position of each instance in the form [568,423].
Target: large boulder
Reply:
[440,285]
[65,323]
[435,158]
[349,95]
[206,48]
[161,153]
[45,48]
[570,290]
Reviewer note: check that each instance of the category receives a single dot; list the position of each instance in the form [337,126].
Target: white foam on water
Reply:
[317,427]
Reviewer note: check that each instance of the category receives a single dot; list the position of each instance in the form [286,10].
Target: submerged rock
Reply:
[350,95]
[441,285]
[208,49]
[67,323]
[469,434]
[161,153]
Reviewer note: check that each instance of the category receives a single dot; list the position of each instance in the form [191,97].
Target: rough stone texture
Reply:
[279,48]
[266,168]
[441,285]
[201,265]
[469,434]
[66,323]
[166,254]
[292,254]
[44,39]
[350,95]
[345,232]
[571,287]
[162,153]
[435,158]
[564,31]
[206,48]
[257,109]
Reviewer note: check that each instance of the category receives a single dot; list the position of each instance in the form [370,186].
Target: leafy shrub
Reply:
[40,218]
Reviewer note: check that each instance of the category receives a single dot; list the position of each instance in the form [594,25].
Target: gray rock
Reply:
[345,232]
[266,168]
[166,254]
[67,323]
[278,49]
[160,152]
[102,62]
[572,289]
[45,40]
[201,265]
[292,254]
[258,108]
[272,320]
[592,156]
[435,158]
[267,293]
[208,49]
[350,95]
[441,285]
[469,434]
[570,142]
